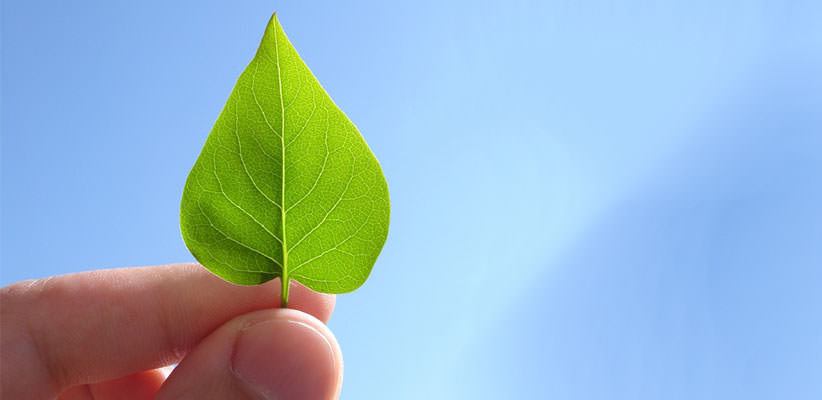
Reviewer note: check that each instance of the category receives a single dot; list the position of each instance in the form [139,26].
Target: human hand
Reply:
[104,334]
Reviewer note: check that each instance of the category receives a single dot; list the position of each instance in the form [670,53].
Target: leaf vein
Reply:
[336,247]
[225,235]
[237,206]
[322,170]
[254,94]
[242,160]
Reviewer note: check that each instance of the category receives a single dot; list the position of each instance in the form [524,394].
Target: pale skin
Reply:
[105,334]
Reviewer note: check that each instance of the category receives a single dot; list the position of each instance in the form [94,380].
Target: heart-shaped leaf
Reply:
[285,185]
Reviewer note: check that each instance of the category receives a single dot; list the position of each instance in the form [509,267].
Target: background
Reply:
[590,200]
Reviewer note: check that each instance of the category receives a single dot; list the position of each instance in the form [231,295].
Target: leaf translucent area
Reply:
[285,185]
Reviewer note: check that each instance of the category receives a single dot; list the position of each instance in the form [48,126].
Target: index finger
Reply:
[93,326]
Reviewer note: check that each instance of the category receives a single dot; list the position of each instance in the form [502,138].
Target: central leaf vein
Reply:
[284,266]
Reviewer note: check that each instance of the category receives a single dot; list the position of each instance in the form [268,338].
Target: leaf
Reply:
[285,185]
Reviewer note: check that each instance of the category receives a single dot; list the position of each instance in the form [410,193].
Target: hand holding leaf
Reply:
[285,185]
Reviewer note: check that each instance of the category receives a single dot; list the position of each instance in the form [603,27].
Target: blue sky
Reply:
[590,200]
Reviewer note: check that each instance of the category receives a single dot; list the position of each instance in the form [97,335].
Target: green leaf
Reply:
[285,185]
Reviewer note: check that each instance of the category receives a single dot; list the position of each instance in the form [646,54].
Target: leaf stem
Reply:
[284,293]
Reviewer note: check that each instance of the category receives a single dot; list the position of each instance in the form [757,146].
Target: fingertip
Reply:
[288,355]
[274,353]
[140,386]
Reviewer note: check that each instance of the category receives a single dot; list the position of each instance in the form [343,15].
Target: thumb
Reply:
[269,354]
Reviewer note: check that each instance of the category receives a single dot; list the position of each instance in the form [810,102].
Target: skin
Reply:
[107,334]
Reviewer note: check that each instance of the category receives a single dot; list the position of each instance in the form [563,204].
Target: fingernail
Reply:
[287,358]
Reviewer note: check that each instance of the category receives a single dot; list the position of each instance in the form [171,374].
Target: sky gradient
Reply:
[589,200]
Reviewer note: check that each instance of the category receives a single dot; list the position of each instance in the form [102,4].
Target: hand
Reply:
[104,334]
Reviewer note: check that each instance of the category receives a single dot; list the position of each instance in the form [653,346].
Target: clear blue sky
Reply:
[591,200]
